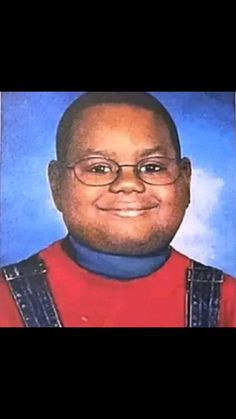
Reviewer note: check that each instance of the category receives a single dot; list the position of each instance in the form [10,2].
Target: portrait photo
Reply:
[122,186]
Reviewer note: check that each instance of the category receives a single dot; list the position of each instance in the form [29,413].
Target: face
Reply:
[129,216]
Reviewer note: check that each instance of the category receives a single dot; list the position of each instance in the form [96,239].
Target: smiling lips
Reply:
[128,211]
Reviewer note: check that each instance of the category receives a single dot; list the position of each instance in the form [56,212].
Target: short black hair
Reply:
[141,99]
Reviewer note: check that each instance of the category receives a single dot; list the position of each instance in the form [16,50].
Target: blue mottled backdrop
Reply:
[206,123]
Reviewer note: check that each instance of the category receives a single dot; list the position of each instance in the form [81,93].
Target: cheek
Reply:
[78,200]
[173,202]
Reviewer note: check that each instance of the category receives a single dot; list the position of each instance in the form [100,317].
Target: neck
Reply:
[120,267]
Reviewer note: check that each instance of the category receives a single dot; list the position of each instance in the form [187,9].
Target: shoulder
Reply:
[15,270]
[30,261]
[229,282]
[9,315]
[38,260]
[227,292]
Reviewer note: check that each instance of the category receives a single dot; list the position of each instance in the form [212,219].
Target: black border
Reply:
[170,68]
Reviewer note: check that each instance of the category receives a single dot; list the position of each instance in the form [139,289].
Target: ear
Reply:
[186,169]
[186,173]
[54,176]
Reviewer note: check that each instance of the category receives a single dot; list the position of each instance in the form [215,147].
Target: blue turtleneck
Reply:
[121,267]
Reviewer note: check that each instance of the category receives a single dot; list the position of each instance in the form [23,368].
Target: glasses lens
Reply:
[158,171]
[96,171]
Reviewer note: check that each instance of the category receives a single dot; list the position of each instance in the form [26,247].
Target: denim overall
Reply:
[28,284]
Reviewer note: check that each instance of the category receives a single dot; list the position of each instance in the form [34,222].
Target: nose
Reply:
[127,182]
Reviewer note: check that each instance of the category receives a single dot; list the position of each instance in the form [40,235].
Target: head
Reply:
[127,216]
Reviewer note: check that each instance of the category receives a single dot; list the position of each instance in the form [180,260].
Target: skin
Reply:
[128,217]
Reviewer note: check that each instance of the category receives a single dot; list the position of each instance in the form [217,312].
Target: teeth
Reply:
[129,213]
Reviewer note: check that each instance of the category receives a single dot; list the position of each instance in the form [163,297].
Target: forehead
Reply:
[121,130]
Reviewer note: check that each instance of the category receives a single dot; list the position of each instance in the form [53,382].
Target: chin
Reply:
[126,242]
[133,246]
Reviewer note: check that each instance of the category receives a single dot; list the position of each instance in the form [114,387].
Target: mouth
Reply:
[128,212]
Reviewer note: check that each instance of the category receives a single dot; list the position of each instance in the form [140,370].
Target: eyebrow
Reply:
[148,151]
[143,153]
[103,153]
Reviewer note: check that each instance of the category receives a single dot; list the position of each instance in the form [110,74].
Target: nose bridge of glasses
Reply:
[131,173]
[127,177]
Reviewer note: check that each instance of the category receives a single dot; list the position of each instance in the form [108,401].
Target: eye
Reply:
[100,169]
[151,168]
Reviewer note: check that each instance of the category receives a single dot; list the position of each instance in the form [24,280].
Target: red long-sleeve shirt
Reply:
[84,299]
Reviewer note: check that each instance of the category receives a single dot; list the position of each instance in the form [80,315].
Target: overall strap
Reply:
[203,295]
[28,284]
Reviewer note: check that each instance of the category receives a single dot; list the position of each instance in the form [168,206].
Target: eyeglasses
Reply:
[98,171]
